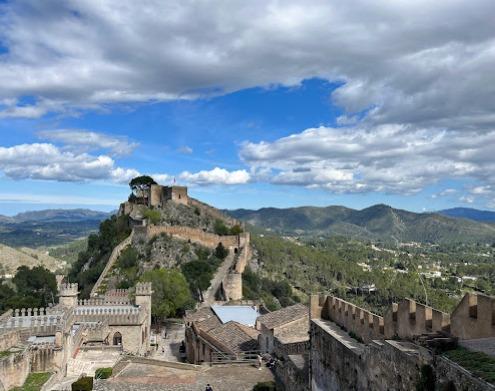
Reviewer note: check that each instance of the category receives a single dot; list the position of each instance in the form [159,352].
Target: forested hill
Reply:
[378,222]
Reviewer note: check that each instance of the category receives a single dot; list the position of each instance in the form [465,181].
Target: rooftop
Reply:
[283,316]
[235,337]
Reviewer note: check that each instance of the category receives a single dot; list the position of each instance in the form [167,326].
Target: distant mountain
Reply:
[378,222]
[60,215]
[470,213]
[49,227]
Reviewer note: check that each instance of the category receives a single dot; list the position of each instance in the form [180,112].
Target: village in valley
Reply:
[116,337]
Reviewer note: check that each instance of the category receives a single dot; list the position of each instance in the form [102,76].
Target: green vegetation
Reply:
[140,184]
[377,223]
[331,265]
[220,228]
[480,364]
[68,252]
[199,273]
[83,384]
[152,215]
[275,294]
[221,252]
[30,288]
[90,263]
[171,294]
[34,381]
[103,373]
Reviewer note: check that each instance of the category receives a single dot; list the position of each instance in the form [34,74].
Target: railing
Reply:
[248,357]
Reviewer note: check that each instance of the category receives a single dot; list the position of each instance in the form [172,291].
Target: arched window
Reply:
[117,339]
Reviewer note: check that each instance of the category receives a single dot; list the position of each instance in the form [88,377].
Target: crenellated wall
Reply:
[362,323]
[410,319]
[474,317]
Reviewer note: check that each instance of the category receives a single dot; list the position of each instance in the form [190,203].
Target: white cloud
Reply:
[84,140]
[399,58]
[186,150]
[467,199]
[216,176]
[48,162]
[388,158]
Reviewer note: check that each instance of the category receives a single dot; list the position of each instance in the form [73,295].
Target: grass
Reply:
[34,381]
[5,353]
[478,363]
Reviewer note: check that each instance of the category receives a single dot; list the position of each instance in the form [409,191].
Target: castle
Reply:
[50,339]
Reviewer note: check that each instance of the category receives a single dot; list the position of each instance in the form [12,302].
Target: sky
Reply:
[249,104]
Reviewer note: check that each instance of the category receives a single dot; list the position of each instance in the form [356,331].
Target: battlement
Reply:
[474,317]
[68,289]
[362,323]
[409,319]
[144,289]
[112,315]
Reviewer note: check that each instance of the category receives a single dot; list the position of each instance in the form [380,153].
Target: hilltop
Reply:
[378,222]
[12,258]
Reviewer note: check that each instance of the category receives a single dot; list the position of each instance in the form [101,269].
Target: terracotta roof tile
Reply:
[285,315]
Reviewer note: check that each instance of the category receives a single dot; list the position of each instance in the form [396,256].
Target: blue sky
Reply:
[281,109]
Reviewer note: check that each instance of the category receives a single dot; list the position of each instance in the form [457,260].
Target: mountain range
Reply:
[470,213]
[49,227]
[378,222]
[52,215]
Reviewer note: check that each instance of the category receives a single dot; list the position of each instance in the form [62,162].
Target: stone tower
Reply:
[67,295]
[143,300]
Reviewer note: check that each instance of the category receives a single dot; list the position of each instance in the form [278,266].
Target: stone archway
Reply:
[117,339]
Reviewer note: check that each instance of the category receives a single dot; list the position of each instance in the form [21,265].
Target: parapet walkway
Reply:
[220,275]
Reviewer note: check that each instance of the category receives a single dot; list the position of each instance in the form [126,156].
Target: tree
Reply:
[153,216]
[221,252]
[38,283]
[141,184]
[198,274]
[171,294]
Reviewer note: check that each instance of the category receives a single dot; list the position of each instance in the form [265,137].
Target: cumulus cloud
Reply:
[399,61]
[216,176]
[83,140]
[48,162]
[386,158]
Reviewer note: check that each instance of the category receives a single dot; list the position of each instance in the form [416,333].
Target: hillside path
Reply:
[222,271]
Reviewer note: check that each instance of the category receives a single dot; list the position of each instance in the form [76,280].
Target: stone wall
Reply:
[14,369]
[292,372]
[111,261]
[232,286]
[195,235]
[450,376]
[341,363]
[474,317]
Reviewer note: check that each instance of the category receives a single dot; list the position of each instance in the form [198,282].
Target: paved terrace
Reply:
[145,377]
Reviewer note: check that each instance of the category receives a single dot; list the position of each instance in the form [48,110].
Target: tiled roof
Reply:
[235,337]
[285,315]
[204,318]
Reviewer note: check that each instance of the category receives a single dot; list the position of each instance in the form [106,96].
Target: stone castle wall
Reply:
[195,235]
[474,317]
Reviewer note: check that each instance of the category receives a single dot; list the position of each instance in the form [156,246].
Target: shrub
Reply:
[103,373]
[220,228]
[83,384]
[265,386]
[236,230]
[128,258]
[153,216]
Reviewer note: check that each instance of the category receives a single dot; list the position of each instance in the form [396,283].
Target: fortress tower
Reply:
[67,295]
